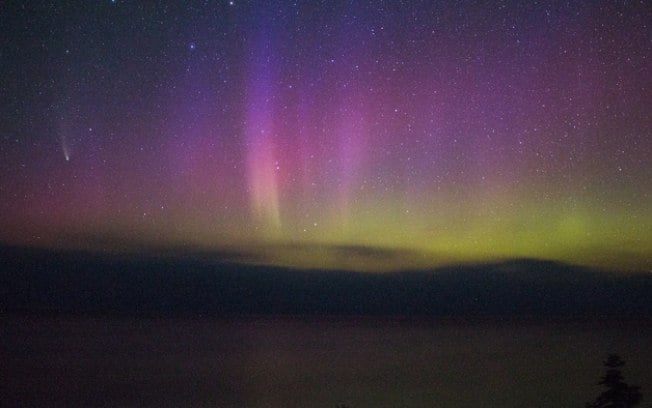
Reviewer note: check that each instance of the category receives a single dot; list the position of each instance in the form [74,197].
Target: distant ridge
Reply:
[38,281]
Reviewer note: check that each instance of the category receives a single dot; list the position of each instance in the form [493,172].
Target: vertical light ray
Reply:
[352,149]
[262,161]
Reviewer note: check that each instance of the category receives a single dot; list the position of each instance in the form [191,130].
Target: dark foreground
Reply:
[48,282]
[312,362]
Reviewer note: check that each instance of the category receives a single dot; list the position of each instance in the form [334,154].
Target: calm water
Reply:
[312,363]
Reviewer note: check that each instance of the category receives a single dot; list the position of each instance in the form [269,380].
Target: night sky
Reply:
[356,134]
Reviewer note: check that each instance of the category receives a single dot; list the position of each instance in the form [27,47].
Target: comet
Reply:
[65,148]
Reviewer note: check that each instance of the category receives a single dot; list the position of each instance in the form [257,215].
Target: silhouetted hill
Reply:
[67,282]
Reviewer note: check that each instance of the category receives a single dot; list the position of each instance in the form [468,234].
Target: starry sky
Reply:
[367,135]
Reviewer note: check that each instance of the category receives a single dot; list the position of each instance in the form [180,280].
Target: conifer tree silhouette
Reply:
[618,394]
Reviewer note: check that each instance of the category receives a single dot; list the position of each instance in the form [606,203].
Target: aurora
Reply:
[435,134]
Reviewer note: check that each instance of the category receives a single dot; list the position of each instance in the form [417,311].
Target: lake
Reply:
[313,362]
